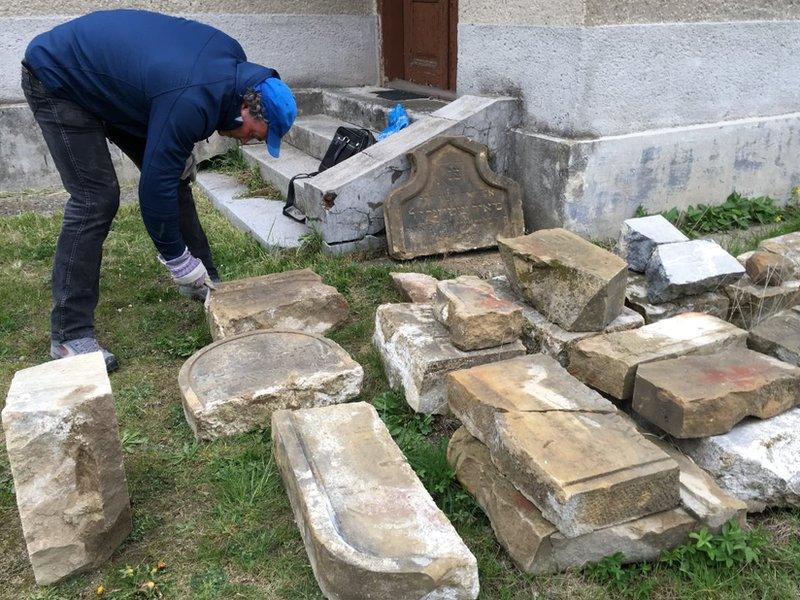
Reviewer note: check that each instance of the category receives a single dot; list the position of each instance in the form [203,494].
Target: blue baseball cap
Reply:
[279,109]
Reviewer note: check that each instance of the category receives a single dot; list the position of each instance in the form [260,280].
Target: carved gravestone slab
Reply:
[453,202]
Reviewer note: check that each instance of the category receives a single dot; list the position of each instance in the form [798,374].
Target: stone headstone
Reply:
[293,300]
[751,303]
[716,303]
[63,446]
[234,385]
[700,396]
[453,202]
[766,268]
[566,448]
[417,353]
[639,237]
[689,268]
[370,528]
[475,316]
[572,282]
[778,336]
[608,362]
[415,287]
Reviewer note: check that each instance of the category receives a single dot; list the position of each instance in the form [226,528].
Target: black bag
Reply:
[347,142]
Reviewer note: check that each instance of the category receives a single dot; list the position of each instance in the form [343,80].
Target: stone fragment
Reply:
[417,354]
[234,385]
[714,303]
[565,447]
[370,528]
[699,396]
[787,246]
[475,317]
[689,268]
[63,446]
[415,287]
[751,304]
[639,237]
[572,282]
[294,300]
[778,336]
[757,461]
[532,542]
[453,202]
[608,362]
[766,268]
[744,257]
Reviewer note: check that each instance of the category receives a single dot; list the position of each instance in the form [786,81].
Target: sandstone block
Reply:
[572,282]
[234,385]
[294,300]
[751,304]
[766,268]
[533,543]
[565,447]
[370,528]
[778,336]
[787,246]
[699,396]
[63,446]
[417,353]
[714,303]
[415,287]
[608,362]
[475,317]
[757,461]
[639,237]
[688,268]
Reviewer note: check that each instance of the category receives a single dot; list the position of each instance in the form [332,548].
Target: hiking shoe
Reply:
[82,346]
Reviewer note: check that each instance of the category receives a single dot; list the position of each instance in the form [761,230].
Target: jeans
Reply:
[77,142]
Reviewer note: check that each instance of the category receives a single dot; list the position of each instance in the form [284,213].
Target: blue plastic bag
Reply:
[398,119]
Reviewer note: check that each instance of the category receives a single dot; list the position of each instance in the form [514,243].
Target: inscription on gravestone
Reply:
[453,202]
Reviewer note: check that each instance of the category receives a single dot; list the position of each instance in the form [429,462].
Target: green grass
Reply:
[211,521]
[233,163]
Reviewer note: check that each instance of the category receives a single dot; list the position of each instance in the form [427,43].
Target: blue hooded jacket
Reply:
[170,80]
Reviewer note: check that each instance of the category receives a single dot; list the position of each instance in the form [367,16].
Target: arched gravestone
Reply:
[453,202]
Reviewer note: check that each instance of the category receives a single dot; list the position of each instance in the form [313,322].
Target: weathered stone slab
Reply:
[787,246]
[63,446]
[778,336]
[370,528]
[714,303]
[234,385]
[766,268]
[475,316]
[744,257]
[639,237]
[751,304]
[572,282]
[566,448]
[533,543]
[294,300]
[415,287]
[699,396]
[417,354]
[608,362]
[757,461]
[689,268]
[453,202]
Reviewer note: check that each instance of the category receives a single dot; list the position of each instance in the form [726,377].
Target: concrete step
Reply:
[313,133]
[363,108]
[278,171]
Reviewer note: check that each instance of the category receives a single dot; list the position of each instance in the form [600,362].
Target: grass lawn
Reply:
[211,520]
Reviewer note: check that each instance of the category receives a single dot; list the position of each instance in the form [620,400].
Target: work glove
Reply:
[190,275]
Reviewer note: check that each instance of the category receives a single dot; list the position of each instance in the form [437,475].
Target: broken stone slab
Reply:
[532,542]
[714,303]
[751,303]
[415,287]
[475,316]
[63,445]
[699,396]
[757,461]
[370,528]
[565,447]
[787,246]
[608,362]
[744,257]
[689,268]
[639,237]
[778,336]
[766,268]
[234,385]
[293,300]
[572,282]
[417,353]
